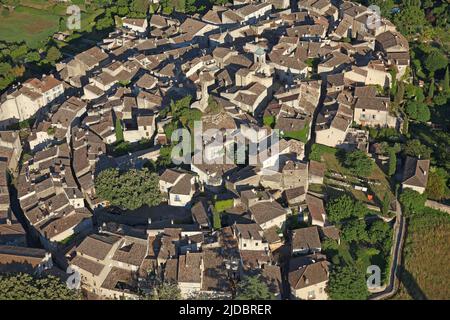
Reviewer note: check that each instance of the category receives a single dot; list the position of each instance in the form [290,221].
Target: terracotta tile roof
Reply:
[265,211]
[308,275]
[416,172]
[306,238]
[190,267]
[97,245]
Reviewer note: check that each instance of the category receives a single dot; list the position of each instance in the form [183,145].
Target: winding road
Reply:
[396,257]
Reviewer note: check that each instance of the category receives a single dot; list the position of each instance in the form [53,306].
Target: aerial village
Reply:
[316,74]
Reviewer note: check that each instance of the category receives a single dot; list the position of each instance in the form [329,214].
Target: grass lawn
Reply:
[300,135]
[34,21]
[426,273]
[222,205]
[27,24]
[217,220]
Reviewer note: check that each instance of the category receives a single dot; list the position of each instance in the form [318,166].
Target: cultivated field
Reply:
[426,273]
[34,21]
[27,24]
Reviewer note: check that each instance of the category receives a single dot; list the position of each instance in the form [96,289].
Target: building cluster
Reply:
[249,66]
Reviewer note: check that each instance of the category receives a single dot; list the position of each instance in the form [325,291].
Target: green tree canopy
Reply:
[392,162]
[26,287]
[164,291]
[418,111]
[379,232]
[358,163]
[252,288]
[53,54]
[435,61]
[355,231]
[410,20]
[416,149]
[347,283]
[437,184]
[343,208]
[128,190]
[412,201]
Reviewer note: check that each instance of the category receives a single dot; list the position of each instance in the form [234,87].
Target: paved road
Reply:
[400,231]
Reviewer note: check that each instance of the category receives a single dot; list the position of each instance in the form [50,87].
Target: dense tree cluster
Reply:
[26,287]
[128,190]
[164,291]
[412,201]
[358,163]
[252,288]
[343,208]
[416,149]
[437,188]
[347,283]
[363,242]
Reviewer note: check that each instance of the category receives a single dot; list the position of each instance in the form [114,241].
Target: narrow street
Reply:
[396,259]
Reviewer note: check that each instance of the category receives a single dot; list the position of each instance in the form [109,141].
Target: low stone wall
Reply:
[438,206]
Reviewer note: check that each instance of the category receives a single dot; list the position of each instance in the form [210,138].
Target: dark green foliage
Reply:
[119,130]
[437,188]
[182,113]
[418,111]
[392,162]
[26,287]
[164,291]
[410,20]
[355,231]
[253,288]
[435,61]
[164,158]
[379,232]
[128,190]
[431,90]
[358,163]
[53,55]
[412,201]
[343,208]
[347,283]
[446,83]
[414,148]
[386,204]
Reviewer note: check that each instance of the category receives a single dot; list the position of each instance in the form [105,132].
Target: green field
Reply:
[35,21]
[426,273]
[27,24]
